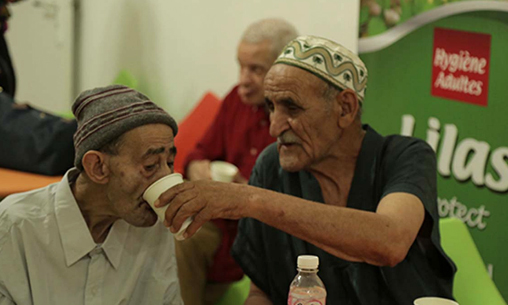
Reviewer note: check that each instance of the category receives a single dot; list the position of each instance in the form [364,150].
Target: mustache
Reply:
[288,138]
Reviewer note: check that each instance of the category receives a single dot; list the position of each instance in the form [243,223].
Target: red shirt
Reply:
[237,135]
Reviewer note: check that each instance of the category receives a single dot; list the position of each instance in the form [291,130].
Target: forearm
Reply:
[206,149]
[257,297]
[379,238]
[257,300]
[350,234]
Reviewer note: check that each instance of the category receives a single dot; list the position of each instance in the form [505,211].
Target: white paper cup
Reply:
[223,171]
[434,301]
[153,192]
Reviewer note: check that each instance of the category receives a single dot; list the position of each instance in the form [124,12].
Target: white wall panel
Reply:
[180,49]
[41,39]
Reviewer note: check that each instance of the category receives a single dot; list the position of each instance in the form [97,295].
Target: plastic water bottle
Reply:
[307,288]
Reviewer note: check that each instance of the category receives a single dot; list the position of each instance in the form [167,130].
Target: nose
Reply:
[245,76]
[164,170]
[278,123]
[167,169]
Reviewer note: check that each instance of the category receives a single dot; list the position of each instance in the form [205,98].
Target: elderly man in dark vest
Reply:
[331,187]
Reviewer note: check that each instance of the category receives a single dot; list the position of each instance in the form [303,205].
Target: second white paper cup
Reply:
[153,192]
[434,301]
[223,171]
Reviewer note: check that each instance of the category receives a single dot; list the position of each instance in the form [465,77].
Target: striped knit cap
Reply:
[104,114]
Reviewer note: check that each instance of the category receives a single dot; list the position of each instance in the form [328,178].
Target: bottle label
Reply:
[307,296]
[296,301]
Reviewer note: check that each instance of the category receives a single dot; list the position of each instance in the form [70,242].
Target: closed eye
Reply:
[287,103]
[257,69]
[291,105]
[269,105]
[150,168]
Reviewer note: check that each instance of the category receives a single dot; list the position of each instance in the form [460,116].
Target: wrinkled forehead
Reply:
[143,137]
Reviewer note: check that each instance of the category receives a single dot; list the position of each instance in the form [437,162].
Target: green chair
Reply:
[126,78]
[472,285]
[237,293]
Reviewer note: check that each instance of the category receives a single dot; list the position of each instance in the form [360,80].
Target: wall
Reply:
[41,41]
[178,50]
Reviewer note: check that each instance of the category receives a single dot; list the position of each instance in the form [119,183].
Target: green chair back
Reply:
[126,78]
[237,293]
[472,284]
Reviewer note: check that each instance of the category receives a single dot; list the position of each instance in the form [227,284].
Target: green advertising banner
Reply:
[437,71]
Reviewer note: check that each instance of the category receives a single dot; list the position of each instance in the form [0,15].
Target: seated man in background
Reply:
[91,238]
[238,134]
[331,187]
[7,74]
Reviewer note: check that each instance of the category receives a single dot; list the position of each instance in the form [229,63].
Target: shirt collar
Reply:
[75,235]
[363,180]
[365,170]
[114,244]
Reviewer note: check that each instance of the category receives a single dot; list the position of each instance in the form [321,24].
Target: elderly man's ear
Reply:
[96,167]
[348,107]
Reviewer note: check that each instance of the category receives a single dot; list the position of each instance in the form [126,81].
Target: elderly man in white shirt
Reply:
[91,238]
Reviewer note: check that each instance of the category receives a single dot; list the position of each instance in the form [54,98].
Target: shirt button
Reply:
[263,123]
[94,291]
[95,251]
[253,151]
[254,108]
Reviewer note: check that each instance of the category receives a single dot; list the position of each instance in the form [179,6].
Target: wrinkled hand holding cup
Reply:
[223,171]
[153,192]
[434,301]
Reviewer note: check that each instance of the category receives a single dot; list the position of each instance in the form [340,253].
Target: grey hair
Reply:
[278,31]
[330,92]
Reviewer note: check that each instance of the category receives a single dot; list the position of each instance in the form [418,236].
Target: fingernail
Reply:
[185,235]
[156,203]
[172,229]
[166,223]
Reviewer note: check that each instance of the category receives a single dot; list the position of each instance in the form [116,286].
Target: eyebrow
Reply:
[159,150]
[286,102]
[154,151]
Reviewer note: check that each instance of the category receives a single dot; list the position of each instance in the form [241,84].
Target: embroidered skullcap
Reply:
[327,60]
[104,114]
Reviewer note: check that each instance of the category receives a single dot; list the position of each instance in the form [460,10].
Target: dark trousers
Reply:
[7,76]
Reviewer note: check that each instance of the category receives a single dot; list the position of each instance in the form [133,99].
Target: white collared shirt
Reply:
[48,256]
